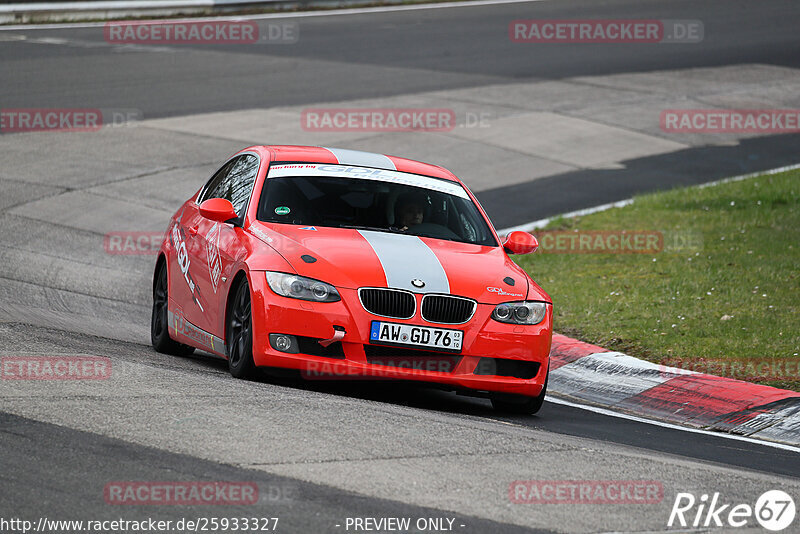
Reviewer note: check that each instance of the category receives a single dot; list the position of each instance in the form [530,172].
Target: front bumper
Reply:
[491,351]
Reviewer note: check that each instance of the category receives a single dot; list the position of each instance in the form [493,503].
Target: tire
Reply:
[159,319]
[239,338]
[519,404]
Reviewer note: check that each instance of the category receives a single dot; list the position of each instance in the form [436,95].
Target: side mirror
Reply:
[217,209]
[520,243]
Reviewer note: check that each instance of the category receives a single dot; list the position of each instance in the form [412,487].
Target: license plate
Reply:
[384,333]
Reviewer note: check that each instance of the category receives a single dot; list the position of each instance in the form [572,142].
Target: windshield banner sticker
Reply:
[366,173]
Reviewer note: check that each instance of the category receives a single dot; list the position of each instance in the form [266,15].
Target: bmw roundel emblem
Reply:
[416,282]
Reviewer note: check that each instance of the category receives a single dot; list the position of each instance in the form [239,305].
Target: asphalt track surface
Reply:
[334,450]
[360,56]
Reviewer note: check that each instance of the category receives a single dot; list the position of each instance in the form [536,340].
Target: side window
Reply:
[234,182]
[214,182]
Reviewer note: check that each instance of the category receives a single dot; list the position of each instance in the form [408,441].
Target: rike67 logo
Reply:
[774,510]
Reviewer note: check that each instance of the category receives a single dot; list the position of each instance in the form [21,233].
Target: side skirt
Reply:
[185,332]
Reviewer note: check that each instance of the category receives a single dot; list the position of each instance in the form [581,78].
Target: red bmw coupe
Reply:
[346,264]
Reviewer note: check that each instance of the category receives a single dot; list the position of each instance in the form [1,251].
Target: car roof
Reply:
[342,156]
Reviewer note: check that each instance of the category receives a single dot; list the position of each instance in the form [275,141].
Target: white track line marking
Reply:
[527,227]
[725,435]
[332,12]
[577,213]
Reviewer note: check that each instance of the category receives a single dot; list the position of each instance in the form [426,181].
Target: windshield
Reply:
[371,199]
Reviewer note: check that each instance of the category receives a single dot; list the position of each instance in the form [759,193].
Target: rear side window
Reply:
[234,182]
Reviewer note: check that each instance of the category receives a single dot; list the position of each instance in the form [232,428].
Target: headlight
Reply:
[300,287]
[520,312]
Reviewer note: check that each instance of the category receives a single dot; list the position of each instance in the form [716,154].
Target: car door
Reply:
[217,245]
[191,299]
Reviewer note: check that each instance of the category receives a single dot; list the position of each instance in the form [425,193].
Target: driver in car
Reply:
[410,211]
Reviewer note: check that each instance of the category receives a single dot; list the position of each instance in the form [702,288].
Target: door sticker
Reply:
[212,253]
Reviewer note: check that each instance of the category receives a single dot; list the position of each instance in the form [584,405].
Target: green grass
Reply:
[668,306]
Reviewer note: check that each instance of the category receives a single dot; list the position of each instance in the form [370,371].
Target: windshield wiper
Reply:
[373,228]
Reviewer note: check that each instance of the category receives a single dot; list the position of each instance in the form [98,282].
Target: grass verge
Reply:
[718,293]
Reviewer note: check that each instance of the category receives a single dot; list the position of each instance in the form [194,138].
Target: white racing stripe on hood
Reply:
[406,257]
[362,159]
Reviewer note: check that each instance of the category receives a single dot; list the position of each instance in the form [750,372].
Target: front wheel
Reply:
[159,321]
[240,334]
[520,404]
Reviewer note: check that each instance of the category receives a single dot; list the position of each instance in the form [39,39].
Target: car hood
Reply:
[351,259]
